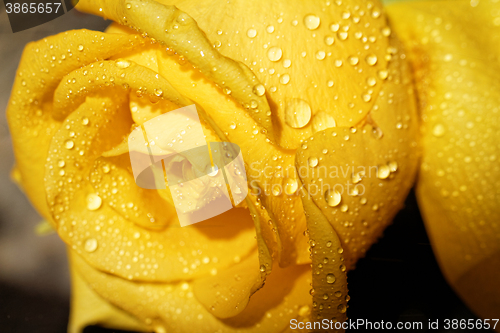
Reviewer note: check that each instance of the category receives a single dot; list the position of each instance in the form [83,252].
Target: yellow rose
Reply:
[316,95]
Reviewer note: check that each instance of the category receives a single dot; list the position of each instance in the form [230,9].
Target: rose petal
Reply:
[454,49]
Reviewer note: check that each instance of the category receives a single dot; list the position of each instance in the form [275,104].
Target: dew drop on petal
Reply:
[291,186]
[371,59]
[90,245]
[312,161]
[69,144]
[333,198]
[383,171]
[312,22]
[251,33]
[274,53]
[259,90]
[94,201]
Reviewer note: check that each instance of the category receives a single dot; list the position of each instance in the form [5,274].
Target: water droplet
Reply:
[90,245]
[122,64]
[158,92]
[251,33]
[328,244]
[320,55]
[341,308]
[343,268]
[383,171]
[297,113]
[61,163]
[386,31]
[438,130]
[312,22]
[291,186]
[325,296]
[274,53]
[342,35]
[80,48]
[333,198]
[276,190]
[367,97]
[259,90]
[371,59]
[393,166]
[284,79]
[329,40]
[212,172]
[270,29]
[330,83]
[353,60]
[371,81]
[312,161]
[334,27]
[232,126]
[330,278]
[94,201]
[383,74]
[287,63]
[69,144]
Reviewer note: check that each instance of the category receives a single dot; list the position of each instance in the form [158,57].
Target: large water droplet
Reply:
[69,144]
[274,53]
[259,90]
[333,198]
[330,278]
[94,201]
[383,171]
[312,161]
[291,186]
[90,245]
[312,22]
[371,59]
[393,166]
[251,33]
[284,79]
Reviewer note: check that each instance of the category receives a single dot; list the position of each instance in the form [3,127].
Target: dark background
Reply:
[399,280]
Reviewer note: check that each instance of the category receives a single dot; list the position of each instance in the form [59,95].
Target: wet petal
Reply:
[454,49]
[173,307]
[359,176]
[43,65]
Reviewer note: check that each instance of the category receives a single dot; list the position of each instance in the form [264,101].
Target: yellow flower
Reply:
[454,50]
[320,99]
